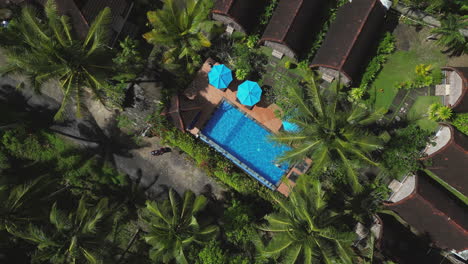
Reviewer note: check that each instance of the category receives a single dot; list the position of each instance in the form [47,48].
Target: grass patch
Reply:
[400,67]
[419,109]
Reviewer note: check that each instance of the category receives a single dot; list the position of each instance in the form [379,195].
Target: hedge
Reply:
[214,164]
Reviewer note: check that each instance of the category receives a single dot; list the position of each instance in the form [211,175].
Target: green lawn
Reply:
[400,67]
[419,111]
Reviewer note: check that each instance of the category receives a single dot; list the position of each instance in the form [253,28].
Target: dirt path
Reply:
[172,170]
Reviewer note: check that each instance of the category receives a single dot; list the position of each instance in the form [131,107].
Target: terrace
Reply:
[202,103]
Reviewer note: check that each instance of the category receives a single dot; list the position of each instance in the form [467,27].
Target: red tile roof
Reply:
[450,163]
[244,12]
[294,23]
[351,37]
[434,211]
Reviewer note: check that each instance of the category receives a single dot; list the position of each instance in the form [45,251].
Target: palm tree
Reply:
[46,49]
[21,204]
[179,27]
[173,226]
[330,131]
[304,229]
[78,237]
[450,35]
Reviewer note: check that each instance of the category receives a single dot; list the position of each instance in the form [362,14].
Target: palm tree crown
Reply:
[178,27]
[46,49]
[303,230]
[19,204]
[330,132]
[450,35]
[78,237]
[173,226]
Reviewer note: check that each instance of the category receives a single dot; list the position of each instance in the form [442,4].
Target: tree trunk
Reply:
[129,246]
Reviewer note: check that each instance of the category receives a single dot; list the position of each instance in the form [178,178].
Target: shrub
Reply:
[386,47]
[460,121]
[212,254]
[355,94]
[251,41]
[403,151]
[241,74]
[423,69]
[268,12]
[438,112]
[287,65]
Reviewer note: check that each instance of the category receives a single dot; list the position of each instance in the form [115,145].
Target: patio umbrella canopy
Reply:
[220,76]
[249,93]
[290,127]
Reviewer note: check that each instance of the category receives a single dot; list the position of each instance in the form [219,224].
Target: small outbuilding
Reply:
[239,15]
[350,40]
[293,26]
[454,88]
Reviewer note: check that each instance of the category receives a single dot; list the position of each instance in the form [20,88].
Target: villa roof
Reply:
[183,111]
[294,22]
[351,37]
[462,103]
[450,163]
[243,12]
[434,211]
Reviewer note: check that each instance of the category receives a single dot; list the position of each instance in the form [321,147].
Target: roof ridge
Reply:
[293,19]
[351,46]
[440,213]
[231,3]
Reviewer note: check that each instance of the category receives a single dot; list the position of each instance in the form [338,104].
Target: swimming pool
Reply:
[236,134]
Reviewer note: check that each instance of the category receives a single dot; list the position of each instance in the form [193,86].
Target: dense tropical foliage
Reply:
[181,27]
[47,49]
[60,203]
[450,35]
[331,132]
[306,230]
[173,226]
[73,237]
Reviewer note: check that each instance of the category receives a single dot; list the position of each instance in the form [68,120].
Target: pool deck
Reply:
[210,97]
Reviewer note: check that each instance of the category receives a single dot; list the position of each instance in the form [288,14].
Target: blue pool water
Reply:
[247,141]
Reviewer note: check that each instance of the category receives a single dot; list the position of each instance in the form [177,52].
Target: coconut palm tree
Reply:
[21,204]
[304,229]
[179,27]
[450,35]
[330,131]
[76,237]
[173,226]
[47,49]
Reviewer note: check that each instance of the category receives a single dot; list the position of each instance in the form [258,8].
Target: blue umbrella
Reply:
[249,93]
[290,127]
[220,76]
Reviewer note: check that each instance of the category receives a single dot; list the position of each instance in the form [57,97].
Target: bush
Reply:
[287,65]
[238,219]
[265,18]
[356,94]
[212,254]
[386,47]
[403,151]
[241,74]
[438,112]
[460,121]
